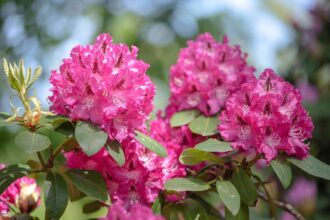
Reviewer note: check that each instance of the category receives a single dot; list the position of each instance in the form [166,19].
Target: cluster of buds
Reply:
[21,80]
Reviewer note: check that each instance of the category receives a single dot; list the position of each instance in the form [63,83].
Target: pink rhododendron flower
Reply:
[23,194]
[206,73]
[106,84]
[302,195]
[143,174]
[267,115]
[118,211]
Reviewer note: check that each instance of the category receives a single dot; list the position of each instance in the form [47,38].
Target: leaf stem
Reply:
[41,160]
[286,206]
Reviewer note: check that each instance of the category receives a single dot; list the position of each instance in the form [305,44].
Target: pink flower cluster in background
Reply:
[267,115]
[23,194]
[302,195]
[206,74]
[104,83]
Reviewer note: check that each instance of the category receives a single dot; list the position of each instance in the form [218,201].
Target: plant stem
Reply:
[41,160]
[286,206]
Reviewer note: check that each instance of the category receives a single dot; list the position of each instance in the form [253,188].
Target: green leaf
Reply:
[32,142]
[92,207]
[116,152]
[56,138]
[89,182]
[189,209]
[11,173]
[282,170]
[157,206]
[151,144]
[56,196]
[186,184]
[312,166]
[211,197]
[229,195]
[243,213]
[4,123]
[183,118]
[205,126]
[90,137]
[245,187]
[214,145]
[191,157]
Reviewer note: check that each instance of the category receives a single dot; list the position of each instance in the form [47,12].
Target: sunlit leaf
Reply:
[183,118]
[229,195]
[91,138]
[151,144]
[31,142]
[191,157]
[205,126]
[186,184]
[213,145]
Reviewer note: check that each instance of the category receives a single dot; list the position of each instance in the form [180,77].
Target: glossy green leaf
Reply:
[31,142]
[312,166]
[116,152]
[183,118]
[229,195]
[56,195]
[189,209]
[151,144]
[186,184]
[191,156]
[91,138]
[282,170]
[11,173]
[56,138]
[92,207]
[243,213]
[211,197]
[205,126]
[213,145]
[245,187]
[90,183]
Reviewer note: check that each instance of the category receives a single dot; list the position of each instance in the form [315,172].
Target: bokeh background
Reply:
[292,37]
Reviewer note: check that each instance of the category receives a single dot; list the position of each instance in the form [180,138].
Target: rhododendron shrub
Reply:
[205,156]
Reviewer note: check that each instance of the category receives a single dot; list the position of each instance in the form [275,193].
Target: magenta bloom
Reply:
[206,73]
[118,211]
[143,175]
[24,194]
[106,84]
[267,115]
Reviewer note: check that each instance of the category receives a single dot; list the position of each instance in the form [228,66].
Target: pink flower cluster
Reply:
[106,84]
[117,211]
[143,174]
[206,73]
[24,194]
[266,115]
